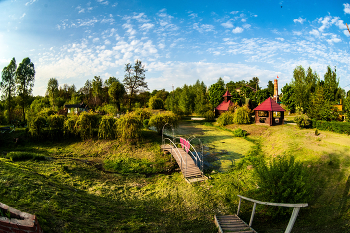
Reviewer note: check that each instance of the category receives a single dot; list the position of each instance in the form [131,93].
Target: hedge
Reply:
[333,126]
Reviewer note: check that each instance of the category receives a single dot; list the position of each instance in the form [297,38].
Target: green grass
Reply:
[115,186]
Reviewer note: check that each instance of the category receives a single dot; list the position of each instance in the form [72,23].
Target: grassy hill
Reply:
[113,186]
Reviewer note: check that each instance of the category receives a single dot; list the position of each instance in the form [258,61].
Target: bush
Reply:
[225,118]
[155,103]
[243,115]
[106,129]
[56,125]
[239,133]
[128,126]
[333,126]
[283,181]
[22,156]
[86,124]
[143,113]
[36,126]
[146,123]
[302,121]
[69,125]
[158,121]
[209,115]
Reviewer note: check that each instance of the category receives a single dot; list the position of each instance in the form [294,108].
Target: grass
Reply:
[114,186]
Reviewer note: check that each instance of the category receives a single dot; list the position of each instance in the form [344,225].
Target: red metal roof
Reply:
[269,105]
[224,106]
[227,94]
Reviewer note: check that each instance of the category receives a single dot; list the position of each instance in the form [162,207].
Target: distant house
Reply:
[224,106]
[76,108]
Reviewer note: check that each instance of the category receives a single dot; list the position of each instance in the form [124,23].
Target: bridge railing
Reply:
[296,208]
[176,151]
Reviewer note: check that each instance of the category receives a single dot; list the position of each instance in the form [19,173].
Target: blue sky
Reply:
[178,41]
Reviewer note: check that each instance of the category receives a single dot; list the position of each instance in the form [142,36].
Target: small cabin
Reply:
[225,105]
[76,108]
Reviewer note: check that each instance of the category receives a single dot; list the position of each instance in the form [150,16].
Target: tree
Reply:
[288,97]
[262,95]
[116,92]
[25,76]
[8,86]
[216,91]
[97,89]
[331,85]
[52,90]
[347,105]
[134,79]
[271,88]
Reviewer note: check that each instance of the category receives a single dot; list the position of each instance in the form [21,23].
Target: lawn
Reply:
[81,187]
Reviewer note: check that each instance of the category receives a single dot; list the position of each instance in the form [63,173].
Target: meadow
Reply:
[117,186]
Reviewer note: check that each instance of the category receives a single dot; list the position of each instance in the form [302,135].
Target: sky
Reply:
[179,42]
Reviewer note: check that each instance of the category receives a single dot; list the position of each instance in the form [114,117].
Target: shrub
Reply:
[302,121]
[128,126]
[56,125]
[158,121]
[243,115]
[22,156]
[106,128]
[155,103]
[225,118]
[143,113]
[333,126]
[36,126]
[69,125]
[239,133]
[283,181]
[209,115]
[86,123]
[146,123]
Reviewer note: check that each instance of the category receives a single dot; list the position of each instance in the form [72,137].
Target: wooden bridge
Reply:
[232,223]
[187,157]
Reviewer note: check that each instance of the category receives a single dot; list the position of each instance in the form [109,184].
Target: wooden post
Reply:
[252,216]
[292,219]
[239,206]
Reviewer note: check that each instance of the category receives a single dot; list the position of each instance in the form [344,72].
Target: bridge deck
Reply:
[191,171]
[232,223]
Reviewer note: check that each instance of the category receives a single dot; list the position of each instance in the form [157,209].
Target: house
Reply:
[225,105]
[76,108]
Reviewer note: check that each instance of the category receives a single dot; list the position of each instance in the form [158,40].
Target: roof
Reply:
[82,105]
[269,105]
[227,94]
[224,105]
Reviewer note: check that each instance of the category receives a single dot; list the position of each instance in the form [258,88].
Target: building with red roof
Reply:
[264,113]
[224,106]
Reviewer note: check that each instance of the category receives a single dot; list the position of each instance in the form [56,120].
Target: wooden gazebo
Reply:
[264,113]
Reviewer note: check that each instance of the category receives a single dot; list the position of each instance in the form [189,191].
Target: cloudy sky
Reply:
[178,41]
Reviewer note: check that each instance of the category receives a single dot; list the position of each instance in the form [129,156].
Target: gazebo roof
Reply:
[227,94]
[269,105]
[224,105]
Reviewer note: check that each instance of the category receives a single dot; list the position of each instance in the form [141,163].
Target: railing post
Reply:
[239,206]
[252,216]
[292,219]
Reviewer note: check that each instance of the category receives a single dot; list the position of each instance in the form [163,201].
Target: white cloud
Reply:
[103,2]
[203,27]
[24,14]
[95,40]
[228,24]
[234,12]
[146,26]
[129,28]
[299,20]
[346,8]
[246,26]
[30,2]
[107,42]
[193,15]
[333,39]
[280,39]
[315,32]
[237,30]
[297,33]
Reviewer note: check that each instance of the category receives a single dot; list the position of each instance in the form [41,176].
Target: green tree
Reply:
[262,95]
[347,106]
[97,89]
[155,103]
[270,88]
[216,91]
[134,79]
[116,93]
[288,97]
[25,76]
[52,90]
[8,87]
[331,85]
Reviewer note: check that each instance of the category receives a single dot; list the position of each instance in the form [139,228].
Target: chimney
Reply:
[275,95]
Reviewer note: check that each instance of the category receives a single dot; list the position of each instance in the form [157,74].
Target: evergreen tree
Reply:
[288,97]
[216,91]
[52,90]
